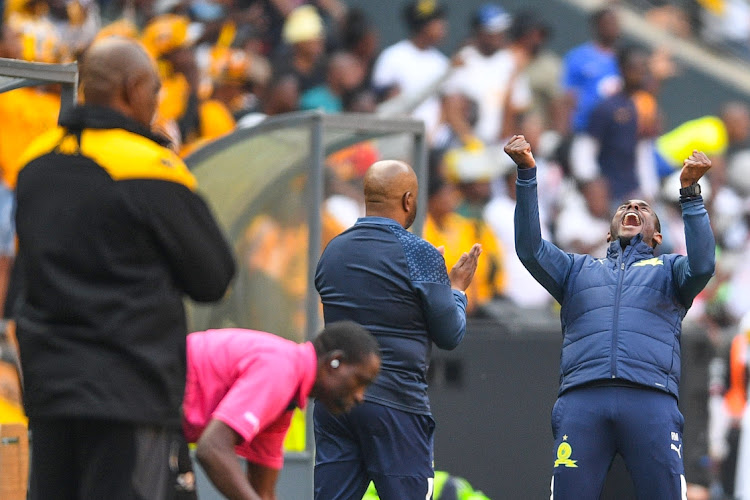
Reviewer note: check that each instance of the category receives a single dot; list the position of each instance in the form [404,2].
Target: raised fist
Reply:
[520,152]
[693,168]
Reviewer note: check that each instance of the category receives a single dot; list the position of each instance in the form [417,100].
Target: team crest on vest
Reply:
[656,261]
[564,451]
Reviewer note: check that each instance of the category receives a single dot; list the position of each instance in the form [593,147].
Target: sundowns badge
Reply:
[563,454]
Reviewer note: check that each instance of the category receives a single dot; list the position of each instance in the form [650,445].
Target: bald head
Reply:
[117,73]
[391,191]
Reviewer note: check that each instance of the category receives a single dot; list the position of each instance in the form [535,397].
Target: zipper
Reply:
[615,324]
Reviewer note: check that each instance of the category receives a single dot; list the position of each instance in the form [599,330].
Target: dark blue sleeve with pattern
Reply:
[424,260]
[444,308]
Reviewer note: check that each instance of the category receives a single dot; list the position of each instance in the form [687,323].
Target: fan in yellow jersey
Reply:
[445,228]
[25,113]
[169,39]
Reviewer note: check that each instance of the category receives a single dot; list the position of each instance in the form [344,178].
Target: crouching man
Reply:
[242,386]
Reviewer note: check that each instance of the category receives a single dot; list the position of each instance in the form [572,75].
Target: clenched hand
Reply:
[520,152]
[693,168]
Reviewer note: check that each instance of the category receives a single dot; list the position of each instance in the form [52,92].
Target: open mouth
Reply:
[631,219]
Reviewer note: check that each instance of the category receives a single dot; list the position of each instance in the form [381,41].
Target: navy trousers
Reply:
[592,424]
[391,448]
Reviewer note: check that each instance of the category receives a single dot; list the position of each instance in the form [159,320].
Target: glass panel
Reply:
[345,167]
[258,190]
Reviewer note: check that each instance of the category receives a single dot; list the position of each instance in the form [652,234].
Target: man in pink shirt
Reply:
[242,386]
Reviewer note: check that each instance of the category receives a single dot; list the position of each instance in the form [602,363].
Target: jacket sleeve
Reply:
[445,310]
[198,255]
[548,264]
[691,273]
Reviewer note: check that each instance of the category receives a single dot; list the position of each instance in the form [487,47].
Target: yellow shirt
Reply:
[707,134]
[11,413]
[215,121]
[458,234]
[173,96]
[25,114]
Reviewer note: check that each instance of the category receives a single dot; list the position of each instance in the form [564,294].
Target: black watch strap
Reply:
[692,190]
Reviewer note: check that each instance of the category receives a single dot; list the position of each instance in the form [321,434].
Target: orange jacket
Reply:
[735,398]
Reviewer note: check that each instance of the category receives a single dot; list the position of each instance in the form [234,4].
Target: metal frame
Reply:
[365,127]
[21,74]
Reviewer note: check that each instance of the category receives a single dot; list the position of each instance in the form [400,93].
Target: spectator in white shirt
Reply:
[411,65]
[521,288]
[484,77]
[493,76]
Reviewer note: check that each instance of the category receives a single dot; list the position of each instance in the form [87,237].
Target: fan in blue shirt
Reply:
[608,146]
[590,70]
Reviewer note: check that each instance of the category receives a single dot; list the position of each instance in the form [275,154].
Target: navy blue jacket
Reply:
[396,285]
[621,315]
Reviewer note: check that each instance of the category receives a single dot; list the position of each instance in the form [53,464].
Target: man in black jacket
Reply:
[111,236]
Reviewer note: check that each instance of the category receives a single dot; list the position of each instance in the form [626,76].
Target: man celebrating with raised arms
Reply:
[621,323]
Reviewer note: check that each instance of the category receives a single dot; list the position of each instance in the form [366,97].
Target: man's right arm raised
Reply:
[547,263]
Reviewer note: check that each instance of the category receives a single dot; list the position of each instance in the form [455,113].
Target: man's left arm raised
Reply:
[693,272]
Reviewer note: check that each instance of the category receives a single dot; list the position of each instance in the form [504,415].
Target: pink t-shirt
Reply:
[249,380]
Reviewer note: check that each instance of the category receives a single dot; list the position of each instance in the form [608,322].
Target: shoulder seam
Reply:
[420,243]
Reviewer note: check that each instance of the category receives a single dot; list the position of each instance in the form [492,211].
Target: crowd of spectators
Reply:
[722,25]
[592,115]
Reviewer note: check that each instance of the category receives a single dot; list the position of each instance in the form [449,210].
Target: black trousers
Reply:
[92,459]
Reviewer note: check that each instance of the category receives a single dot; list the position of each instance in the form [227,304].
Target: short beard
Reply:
[410,219]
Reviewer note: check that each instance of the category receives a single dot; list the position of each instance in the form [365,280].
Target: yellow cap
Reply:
[303,24]
[237,65]
[39,39]
[166,33]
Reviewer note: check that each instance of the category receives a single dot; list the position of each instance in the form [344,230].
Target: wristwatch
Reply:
[693,189]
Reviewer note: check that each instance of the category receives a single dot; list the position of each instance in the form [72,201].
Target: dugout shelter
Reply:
[269,187]
[16,74]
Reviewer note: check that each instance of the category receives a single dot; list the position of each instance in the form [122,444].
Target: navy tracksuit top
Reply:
[396,285]
[621,315]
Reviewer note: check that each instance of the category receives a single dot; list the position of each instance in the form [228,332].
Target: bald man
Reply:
[394,284]
[112,235]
